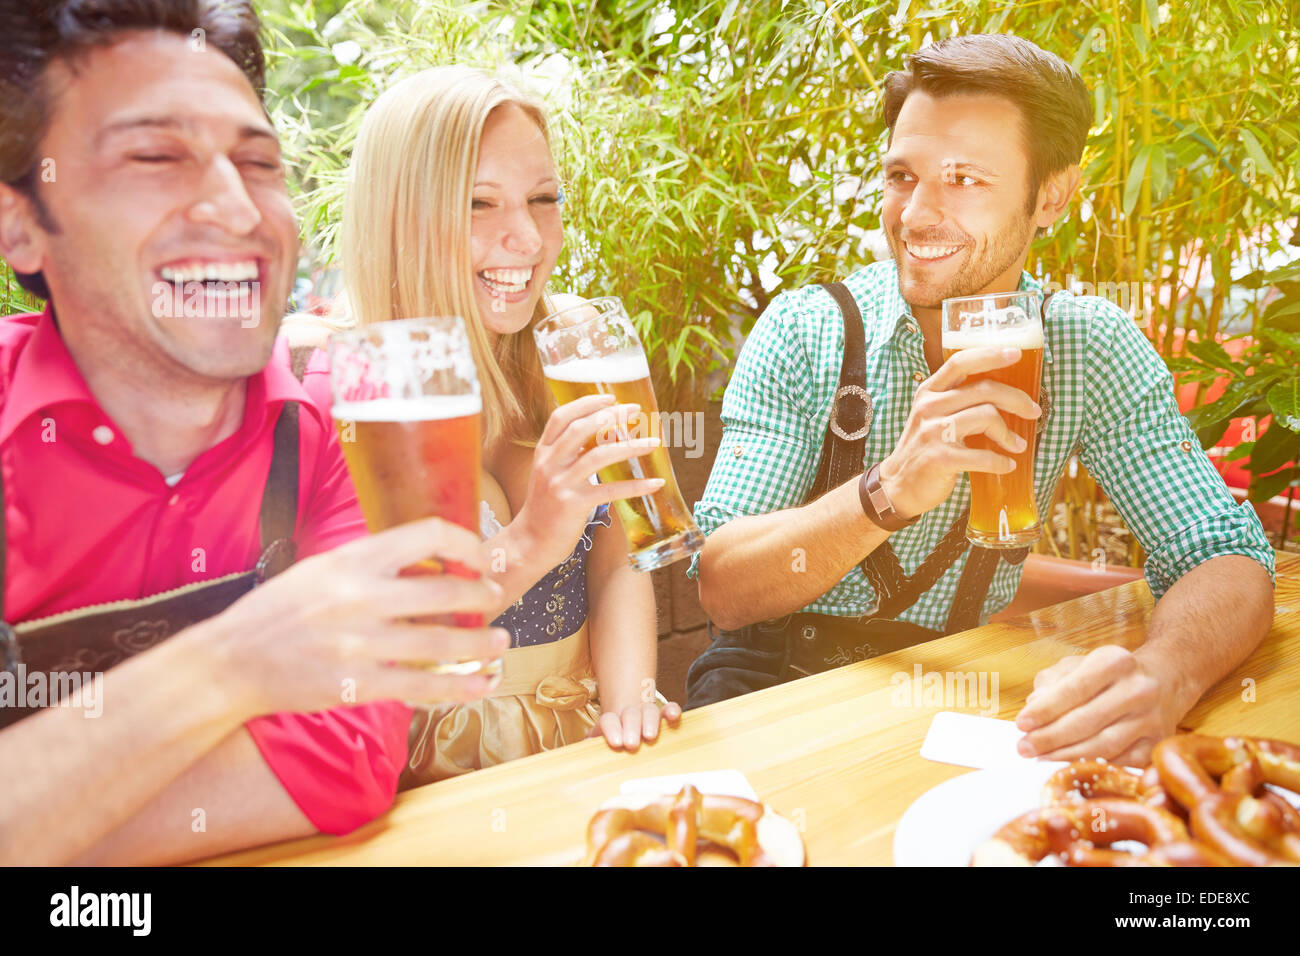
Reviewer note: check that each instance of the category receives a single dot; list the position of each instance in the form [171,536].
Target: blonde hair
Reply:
[406,229]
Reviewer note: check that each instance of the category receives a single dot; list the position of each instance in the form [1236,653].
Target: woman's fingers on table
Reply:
[610,727]
[631,728]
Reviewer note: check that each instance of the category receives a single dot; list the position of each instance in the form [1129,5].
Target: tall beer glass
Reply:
[407,406]
[1003,513]
[590,349]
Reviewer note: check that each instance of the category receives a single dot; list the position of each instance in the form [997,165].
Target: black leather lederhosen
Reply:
[797,645]
[96,638]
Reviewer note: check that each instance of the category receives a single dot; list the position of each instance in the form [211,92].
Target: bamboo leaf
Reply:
[728,12]
[1153,14]
[1258,155]
[1133,186]
[1159,172]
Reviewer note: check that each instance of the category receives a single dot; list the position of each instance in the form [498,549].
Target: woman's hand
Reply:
[625,729]
[561,494]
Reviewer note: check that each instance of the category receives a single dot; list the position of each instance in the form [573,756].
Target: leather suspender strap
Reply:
[842,452]
[279,514]
[973,586]
[846,437]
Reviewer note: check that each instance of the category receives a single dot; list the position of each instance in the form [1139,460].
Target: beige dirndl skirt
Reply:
[546,699]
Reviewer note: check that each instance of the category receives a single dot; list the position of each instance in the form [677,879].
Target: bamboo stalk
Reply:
[1121,144]
[1144,196]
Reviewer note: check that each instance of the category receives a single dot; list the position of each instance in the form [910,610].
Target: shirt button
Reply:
[738,451]
[173,499]
[911,328]
[1185,445]
[102,434]
[918,377]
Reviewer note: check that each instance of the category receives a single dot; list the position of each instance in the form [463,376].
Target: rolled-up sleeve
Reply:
[1148,460]
[339,766]
[767,458]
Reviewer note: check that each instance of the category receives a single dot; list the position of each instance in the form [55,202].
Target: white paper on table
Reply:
[970,741]
[728,783]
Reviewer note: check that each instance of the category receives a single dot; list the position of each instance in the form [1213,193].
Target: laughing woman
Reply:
[453,208]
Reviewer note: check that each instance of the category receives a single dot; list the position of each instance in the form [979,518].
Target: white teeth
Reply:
[506,280]
[210,272]
[931,252]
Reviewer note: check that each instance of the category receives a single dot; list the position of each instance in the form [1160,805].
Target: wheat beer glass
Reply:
[1002,509]
[406,403]
[591,349]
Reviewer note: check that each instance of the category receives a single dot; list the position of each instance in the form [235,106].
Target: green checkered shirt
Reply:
[1109,397]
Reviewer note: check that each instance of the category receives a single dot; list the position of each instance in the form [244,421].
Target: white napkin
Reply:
[970,741]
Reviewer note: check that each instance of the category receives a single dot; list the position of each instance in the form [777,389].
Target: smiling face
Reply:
[175,241]
[956,191]
[515,232]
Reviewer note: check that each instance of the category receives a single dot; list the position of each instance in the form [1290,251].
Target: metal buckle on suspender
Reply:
[277,557]
[857,391]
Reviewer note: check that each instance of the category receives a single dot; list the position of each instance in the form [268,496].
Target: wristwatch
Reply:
[876,503]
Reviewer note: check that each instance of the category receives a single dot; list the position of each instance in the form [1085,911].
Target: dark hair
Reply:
[1053,102]
[36,33]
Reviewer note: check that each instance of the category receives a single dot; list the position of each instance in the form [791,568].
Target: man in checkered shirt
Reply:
[986,135]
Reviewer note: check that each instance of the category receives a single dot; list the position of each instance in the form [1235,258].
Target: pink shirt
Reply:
[87,522]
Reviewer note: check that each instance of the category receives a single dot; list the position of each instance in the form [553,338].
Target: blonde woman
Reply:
[453,208]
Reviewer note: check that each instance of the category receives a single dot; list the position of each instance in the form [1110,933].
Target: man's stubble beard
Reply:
[979,269]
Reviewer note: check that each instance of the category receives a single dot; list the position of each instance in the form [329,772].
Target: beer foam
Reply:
[1025,337]
[425,409]
[608,370]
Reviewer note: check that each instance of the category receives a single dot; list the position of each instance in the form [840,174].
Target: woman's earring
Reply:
[559,196]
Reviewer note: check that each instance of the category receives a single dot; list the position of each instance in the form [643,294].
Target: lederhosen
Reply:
[94,639]
[796,645]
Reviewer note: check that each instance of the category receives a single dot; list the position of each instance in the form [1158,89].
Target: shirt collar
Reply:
[894,312]
[45,375]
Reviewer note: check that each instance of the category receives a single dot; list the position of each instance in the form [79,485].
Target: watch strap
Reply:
[876,503]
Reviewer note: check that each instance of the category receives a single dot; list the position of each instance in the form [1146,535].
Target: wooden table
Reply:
[837,752]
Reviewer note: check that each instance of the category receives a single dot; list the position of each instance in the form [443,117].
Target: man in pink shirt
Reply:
[161,463]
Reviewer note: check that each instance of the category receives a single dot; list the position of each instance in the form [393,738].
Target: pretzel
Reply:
[1079,833]
[1221,782]
[620,834]
[1089,779]
[1202,802]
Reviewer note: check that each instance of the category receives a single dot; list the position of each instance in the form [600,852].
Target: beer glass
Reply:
[589,349]
[406,404]
[1003,513]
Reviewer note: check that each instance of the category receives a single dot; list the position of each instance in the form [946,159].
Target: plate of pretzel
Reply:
[1204,801]
[690,828]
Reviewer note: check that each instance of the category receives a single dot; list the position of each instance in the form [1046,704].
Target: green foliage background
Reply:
[716,153]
